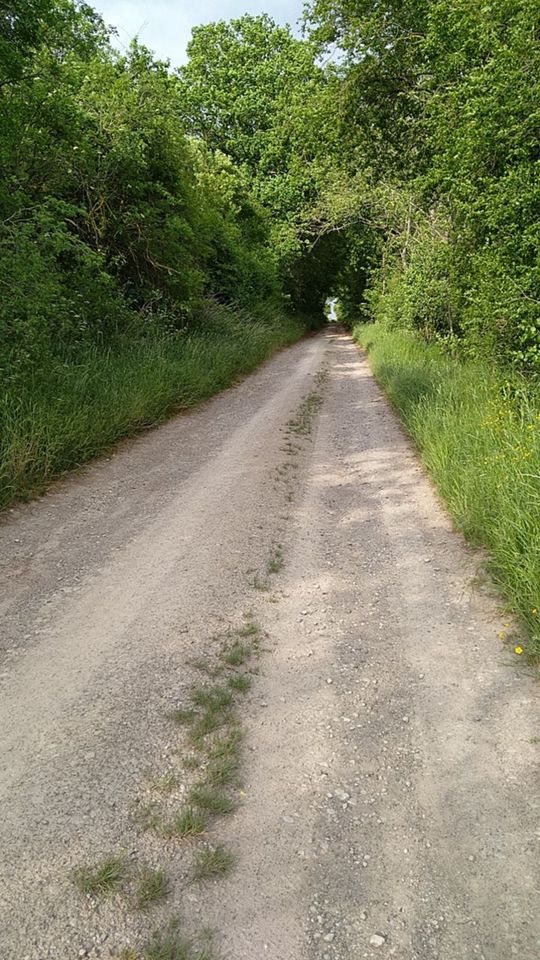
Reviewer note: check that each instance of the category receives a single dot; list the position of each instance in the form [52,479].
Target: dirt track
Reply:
[391,787]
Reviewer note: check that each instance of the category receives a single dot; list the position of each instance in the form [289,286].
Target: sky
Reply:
[165,25]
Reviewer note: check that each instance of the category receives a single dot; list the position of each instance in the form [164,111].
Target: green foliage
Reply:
[63,414]
[119,225]
[438,180]
[478,431]
[400,175]
[254,92]
[170,944]
[102,878]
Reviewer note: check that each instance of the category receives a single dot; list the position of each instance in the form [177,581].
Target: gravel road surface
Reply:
[390,803]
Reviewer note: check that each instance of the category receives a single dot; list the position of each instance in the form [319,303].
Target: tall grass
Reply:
[67,413]
[478,431]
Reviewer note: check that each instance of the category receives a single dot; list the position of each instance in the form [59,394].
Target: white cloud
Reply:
[165,25]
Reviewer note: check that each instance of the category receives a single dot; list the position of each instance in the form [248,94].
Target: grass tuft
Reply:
[213,862]
[240,683]
[222,771]
[259,584]
[192,762]
[249,629]
[147,817]
[188,823]
[276,561]
[237,654]
[152,887]
[211,799]
[229,745]
[214,699]
[102,878]
[210,721]
[301,424]
[169,944]
[165,784]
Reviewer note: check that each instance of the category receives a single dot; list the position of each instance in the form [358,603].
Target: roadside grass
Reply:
[102,878]
[213,862]
[478,431]
[60,417]
[152,886]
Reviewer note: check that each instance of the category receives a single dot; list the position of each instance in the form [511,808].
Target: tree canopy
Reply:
[389,157]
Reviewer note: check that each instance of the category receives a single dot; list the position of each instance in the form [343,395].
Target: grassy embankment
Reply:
[67,413]
[478,432]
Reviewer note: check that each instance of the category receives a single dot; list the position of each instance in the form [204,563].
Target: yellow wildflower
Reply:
[518,650]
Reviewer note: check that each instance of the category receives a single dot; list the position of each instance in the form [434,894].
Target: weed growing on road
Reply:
[147,817]
[183,715]
[165,784]
[215,698]
[152,886]
[192,762]
[169,944]
[211,799]
[210,720]
[301,424]
[237,654]
[212,727]
[222,771]
[250,629]
[188,823]
[102,878]
[241,683]
[260,584]
[213,862]
[276,561]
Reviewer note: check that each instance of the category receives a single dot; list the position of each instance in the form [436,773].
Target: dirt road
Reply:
[390,803]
